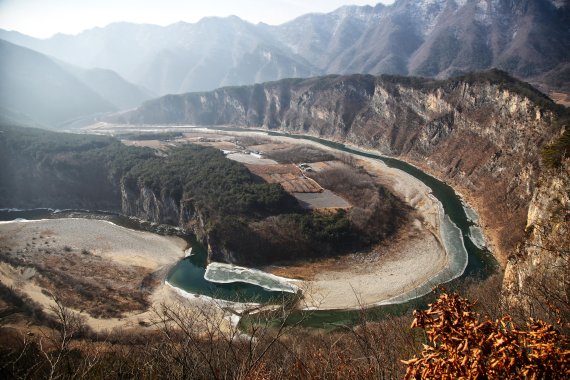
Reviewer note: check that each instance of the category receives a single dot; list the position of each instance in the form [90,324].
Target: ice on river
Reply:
[227,273]
[456,264]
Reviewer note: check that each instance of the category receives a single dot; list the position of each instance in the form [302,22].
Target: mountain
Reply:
[36,86]
[180,57]
[111,87]
[323,38]
[10,117]
[434,38]
[465,130]
[50,93]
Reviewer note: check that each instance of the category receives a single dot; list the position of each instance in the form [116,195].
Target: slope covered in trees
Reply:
[46,169]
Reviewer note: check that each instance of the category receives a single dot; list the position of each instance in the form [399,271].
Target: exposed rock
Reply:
[481,133]
[143,203]
[537,276]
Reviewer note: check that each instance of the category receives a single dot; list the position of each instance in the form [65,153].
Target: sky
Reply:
[44,18]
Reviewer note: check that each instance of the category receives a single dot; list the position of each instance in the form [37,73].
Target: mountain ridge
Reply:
[464,130]
[439,38]
[53,93]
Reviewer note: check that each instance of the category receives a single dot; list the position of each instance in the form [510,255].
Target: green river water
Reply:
[480,261]
[188,274]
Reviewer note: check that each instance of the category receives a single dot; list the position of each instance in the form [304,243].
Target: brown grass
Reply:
[375,212]
[47,233]
[269,147]
[98,286]
[300,153]
[192,343]
[560,98]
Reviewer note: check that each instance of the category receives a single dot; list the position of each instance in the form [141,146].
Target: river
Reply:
[188,274]
[460,233]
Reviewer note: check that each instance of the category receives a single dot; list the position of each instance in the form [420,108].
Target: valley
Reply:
[381,237]
[479,133]
[372,277]
[400,267]
[225,190]
[347,228]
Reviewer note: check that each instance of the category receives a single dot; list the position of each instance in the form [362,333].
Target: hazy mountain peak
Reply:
[35,85]
[54,92]
[359,12]
[222,21]
[423,37]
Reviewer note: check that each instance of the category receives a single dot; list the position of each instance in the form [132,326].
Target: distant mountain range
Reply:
[36,89]
[67,80]
[437,38]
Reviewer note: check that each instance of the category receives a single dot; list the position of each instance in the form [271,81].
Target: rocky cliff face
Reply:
[482,134]
[537,276]
[143,203]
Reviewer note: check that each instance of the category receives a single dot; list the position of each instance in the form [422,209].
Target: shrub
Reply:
[554,154]
[462,344]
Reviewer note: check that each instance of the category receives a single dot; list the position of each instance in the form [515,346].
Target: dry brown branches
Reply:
[462,344]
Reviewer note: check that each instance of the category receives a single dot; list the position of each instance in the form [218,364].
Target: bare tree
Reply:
[56,344]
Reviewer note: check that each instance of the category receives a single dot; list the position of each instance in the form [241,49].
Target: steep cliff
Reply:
[142,202]
[537,276]
[229,209]
[480,132]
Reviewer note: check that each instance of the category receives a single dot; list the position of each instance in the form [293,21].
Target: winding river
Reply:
[462,239]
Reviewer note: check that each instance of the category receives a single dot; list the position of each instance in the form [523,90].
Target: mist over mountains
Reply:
[438,38]
[432,38]
[40,90]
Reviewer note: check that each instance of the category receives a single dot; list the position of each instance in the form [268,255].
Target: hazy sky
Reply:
[43,18]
